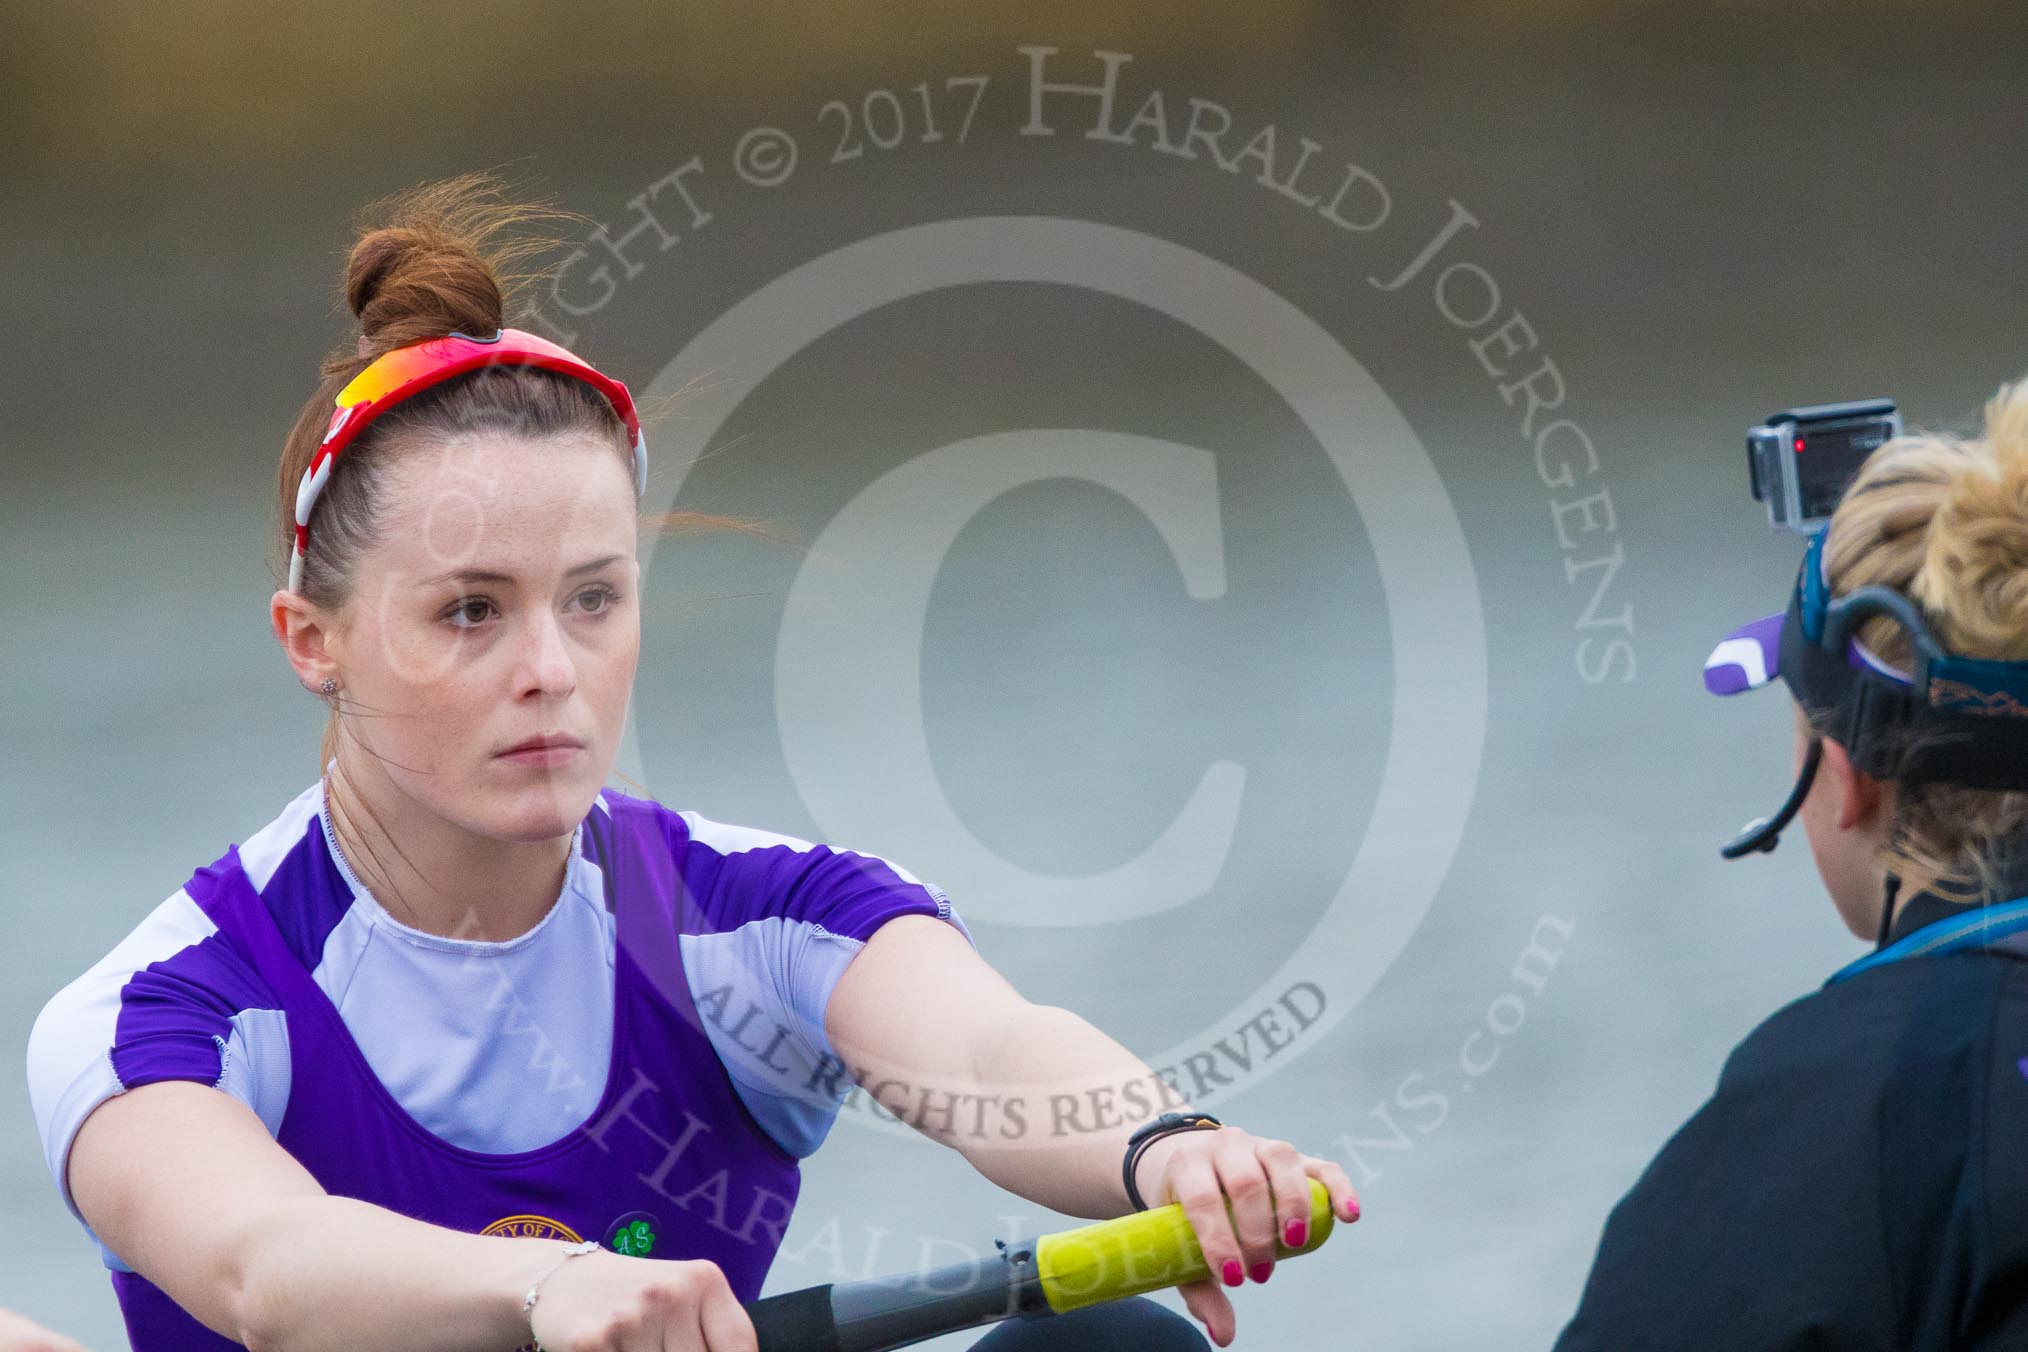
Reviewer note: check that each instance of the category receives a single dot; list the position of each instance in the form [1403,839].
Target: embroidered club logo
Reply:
[532,1227]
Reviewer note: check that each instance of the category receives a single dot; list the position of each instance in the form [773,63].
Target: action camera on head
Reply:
[1802,459]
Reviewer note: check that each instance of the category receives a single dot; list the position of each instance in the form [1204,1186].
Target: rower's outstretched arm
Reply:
[186,1185]
[1032,1095]
[1042,1103]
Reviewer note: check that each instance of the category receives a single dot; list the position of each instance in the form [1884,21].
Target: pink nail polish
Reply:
[1297,1232]
[1262,1271]
[1231,1272]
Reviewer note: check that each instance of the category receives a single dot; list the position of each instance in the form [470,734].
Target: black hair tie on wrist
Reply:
[1168,1124]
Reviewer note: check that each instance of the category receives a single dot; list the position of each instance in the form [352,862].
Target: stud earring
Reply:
[330,686]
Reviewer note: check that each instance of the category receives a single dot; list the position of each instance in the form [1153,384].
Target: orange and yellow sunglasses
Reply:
[396,375]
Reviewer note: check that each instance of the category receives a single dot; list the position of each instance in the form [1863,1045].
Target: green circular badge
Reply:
[634,1234]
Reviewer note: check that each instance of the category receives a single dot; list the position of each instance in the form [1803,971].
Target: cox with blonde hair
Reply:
[1855,1179]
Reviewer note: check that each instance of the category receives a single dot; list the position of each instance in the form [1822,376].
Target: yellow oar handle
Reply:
[1146,1251]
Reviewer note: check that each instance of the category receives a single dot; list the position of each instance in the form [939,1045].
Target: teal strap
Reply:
[1978,928]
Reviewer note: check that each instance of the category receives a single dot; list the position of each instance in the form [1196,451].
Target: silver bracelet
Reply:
[528,1301]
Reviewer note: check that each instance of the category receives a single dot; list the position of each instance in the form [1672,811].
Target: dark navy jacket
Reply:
[1859,1178]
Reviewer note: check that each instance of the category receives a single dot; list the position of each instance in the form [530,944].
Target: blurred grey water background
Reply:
[1702,219]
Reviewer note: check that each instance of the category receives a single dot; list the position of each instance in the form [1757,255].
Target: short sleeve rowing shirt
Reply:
[644,1067]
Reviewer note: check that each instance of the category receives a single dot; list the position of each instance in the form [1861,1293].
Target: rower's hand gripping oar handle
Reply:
[1145,1251]
[1106,1260]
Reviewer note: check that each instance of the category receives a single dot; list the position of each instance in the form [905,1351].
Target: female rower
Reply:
[465,1047]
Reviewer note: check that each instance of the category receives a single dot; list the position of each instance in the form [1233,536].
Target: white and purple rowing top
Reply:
[645,1067]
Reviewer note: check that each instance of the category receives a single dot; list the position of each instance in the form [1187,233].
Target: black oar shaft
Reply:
[889,1312]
